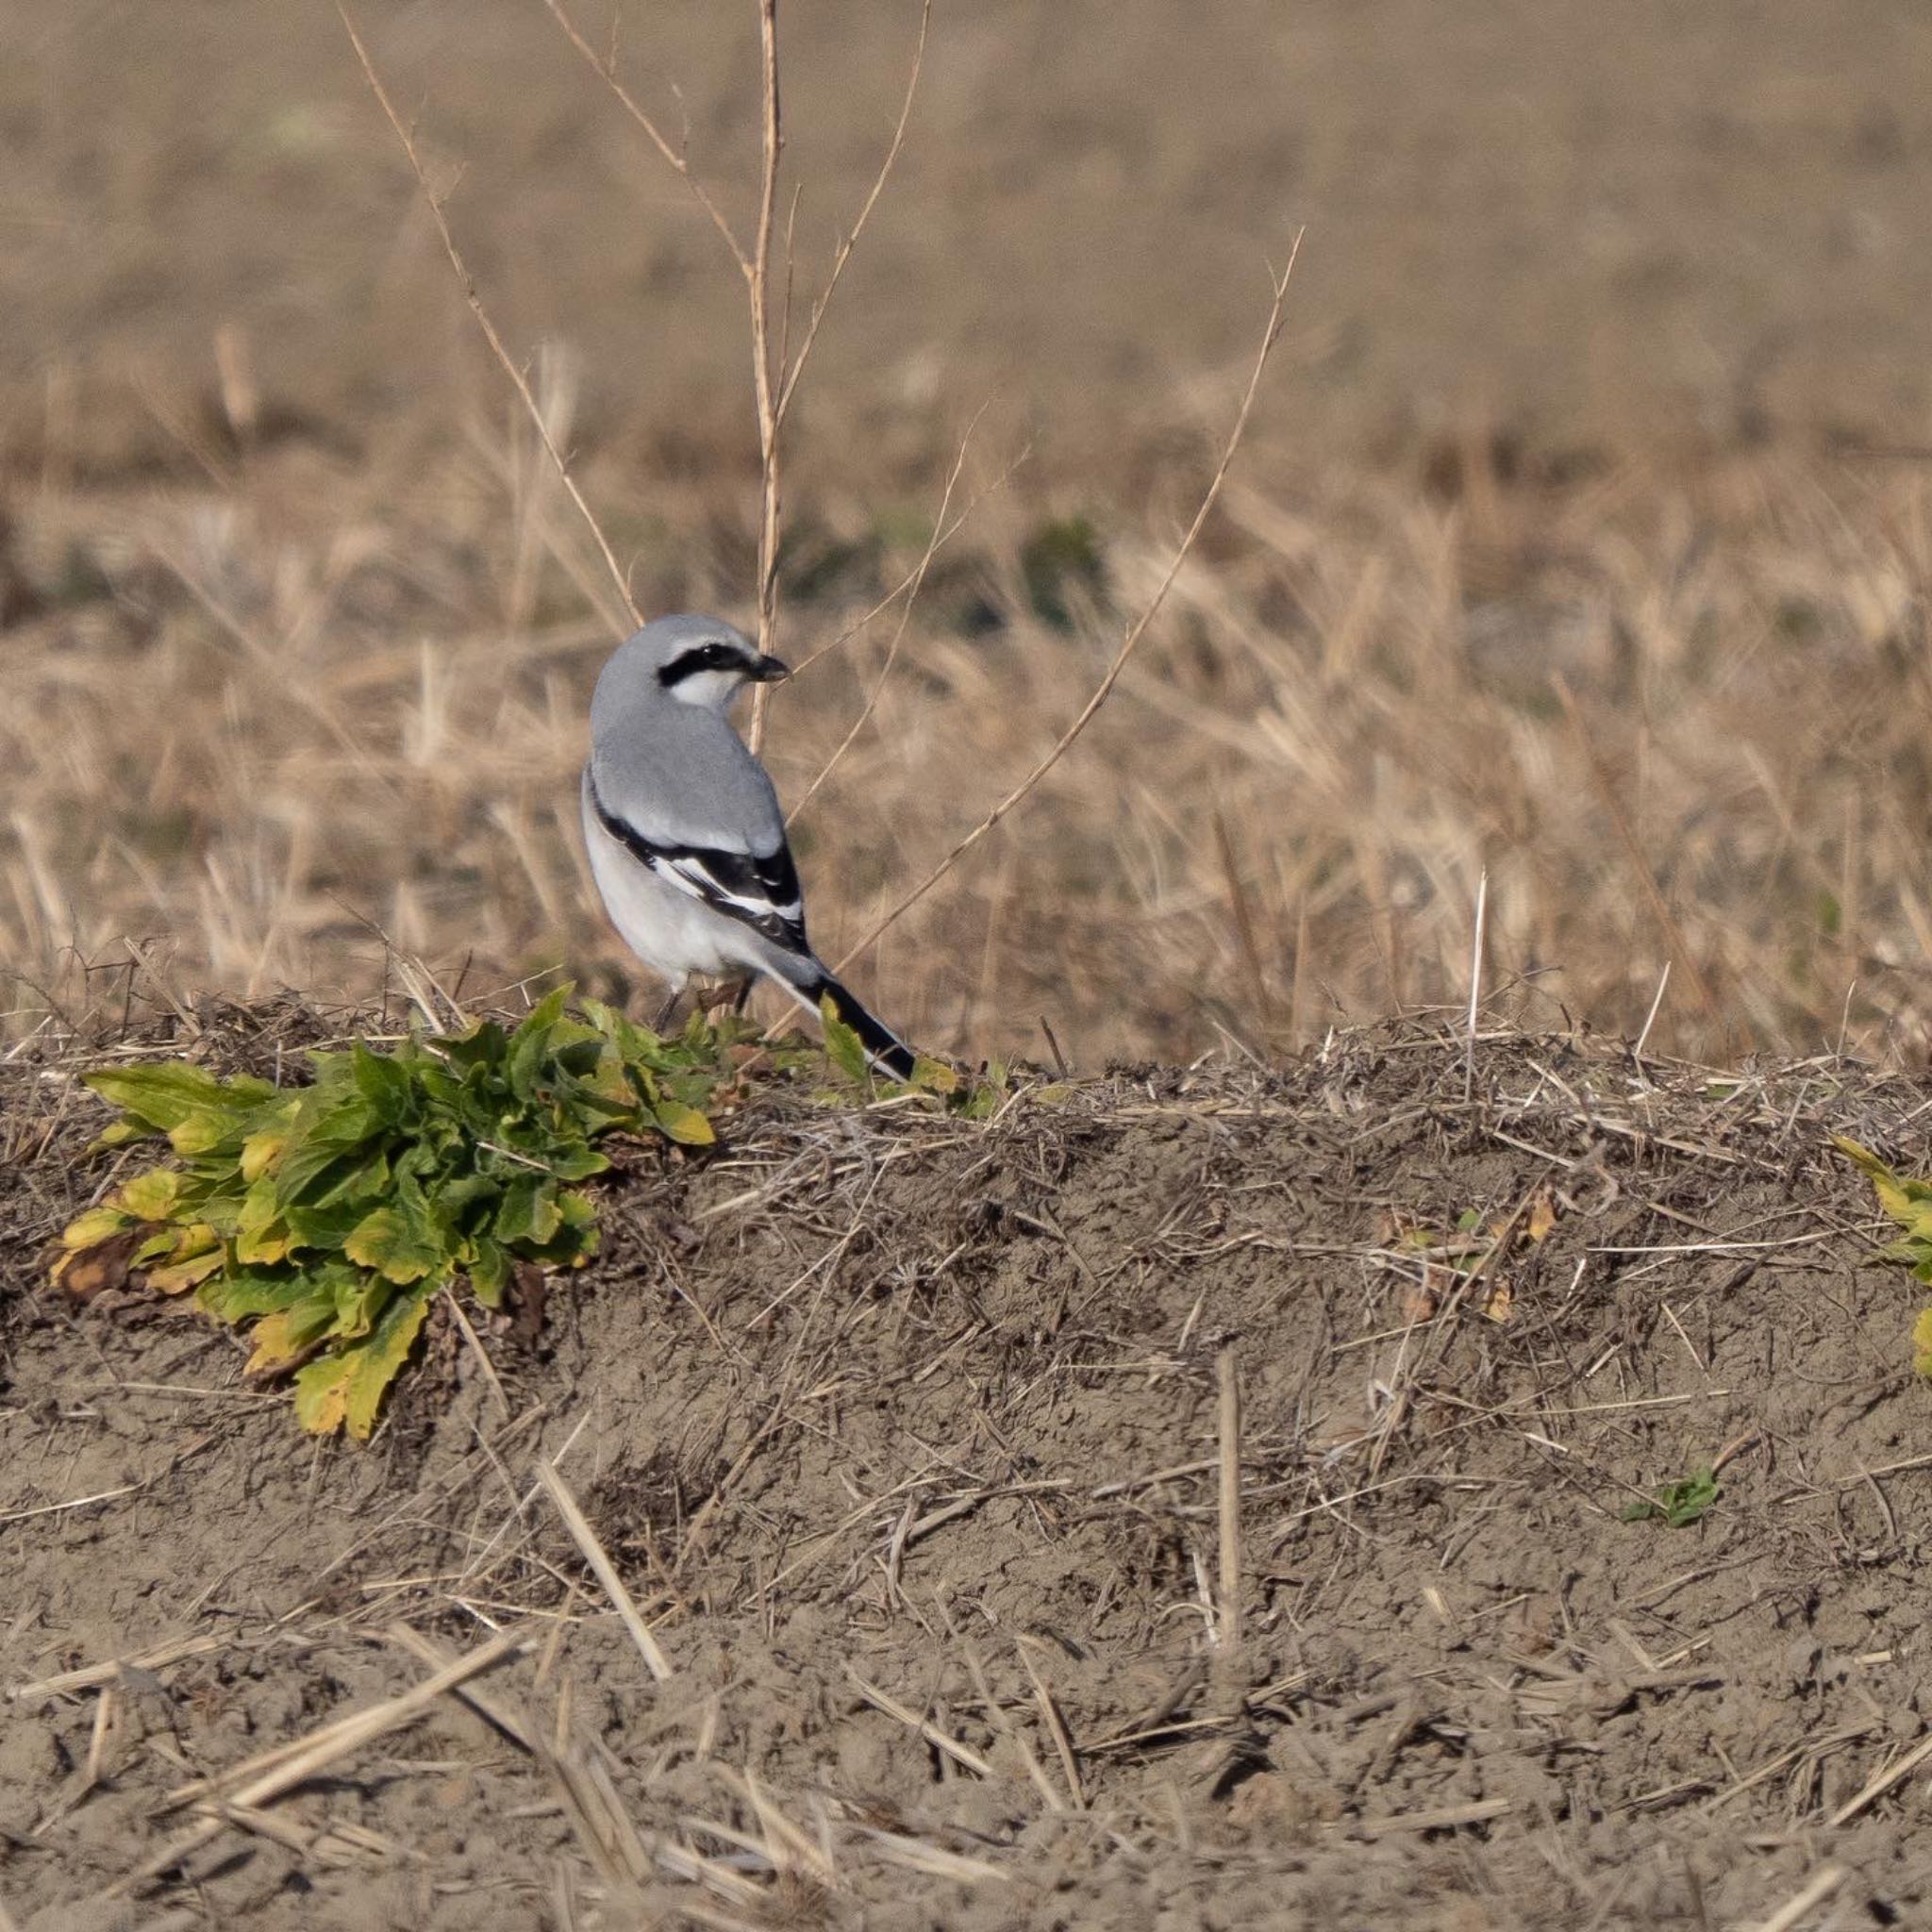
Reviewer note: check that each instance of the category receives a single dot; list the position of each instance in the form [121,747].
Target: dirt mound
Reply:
[912,1441]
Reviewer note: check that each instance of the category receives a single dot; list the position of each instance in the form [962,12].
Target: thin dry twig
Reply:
[1136,630]
[763,377]
[265,1777]
[155,1657]
[1228,1376]
[845,247]
[605,1571]
[468,283]
[941,1741]
[939,532]
[1882,1782]
[675,158]
[1814,1891]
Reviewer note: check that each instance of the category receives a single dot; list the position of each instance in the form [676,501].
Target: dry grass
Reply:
[255,718]
[277,716]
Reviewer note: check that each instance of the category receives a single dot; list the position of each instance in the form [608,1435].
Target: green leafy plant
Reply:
[1910,1203]
[329,1214]
[1677,1505]
[846,1052]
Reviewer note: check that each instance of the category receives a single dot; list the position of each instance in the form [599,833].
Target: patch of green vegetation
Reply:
[328,1215]
[974,1099]
[1058,562]
[1679,1505]
[1910,1203]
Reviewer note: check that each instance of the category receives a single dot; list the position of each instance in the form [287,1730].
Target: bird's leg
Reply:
[661,1024]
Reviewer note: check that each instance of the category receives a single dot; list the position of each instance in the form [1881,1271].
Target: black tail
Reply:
[880,1043]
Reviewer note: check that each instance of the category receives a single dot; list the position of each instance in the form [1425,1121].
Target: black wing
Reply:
[760,893]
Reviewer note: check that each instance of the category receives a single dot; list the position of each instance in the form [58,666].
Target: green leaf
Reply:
[530,1211]
[323,1134]
[401,1239]
[529,1044]
[489,1271]
[359,1299]
[166,1092]
[580,1162]
[324,1229]
[844,1047]
[326,1215]
[383,1082]
[1677,1505]
[246,1291]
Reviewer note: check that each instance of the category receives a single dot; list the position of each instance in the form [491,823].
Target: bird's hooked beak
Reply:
[769,670]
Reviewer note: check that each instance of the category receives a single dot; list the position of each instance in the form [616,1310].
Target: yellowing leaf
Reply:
[934,1077]
[377,1362]
[685,1125]
[260,1152]
[278,1340]
[259,1246]
[150,1196]
[1921,1343]
[96,1224]
[199,1132]
[347,1385]
[399,1239]
[176,1278]
[321,1394]
[844,1047]
[1891,1191]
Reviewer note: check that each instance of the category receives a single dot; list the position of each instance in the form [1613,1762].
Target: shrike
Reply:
[686,839]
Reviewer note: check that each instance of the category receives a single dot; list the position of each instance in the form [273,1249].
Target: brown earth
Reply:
[904,1433]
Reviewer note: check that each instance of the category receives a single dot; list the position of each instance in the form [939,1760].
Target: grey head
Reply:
[693,659]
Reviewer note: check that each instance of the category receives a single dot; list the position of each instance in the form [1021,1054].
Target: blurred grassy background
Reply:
[1555,550]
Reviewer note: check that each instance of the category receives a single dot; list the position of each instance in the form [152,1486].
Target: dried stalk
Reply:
[1104,689]
[468,283]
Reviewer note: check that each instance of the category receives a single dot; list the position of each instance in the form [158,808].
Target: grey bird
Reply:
[686,838]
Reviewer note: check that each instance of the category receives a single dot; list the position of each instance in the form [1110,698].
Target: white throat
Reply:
[711,691]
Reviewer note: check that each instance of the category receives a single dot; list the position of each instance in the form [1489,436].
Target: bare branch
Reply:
[763,372]
[851,240]
[605,66]
[1104,689]
[483,322]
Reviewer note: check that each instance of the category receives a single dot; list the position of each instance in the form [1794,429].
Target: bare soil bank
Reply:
[906,1435]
